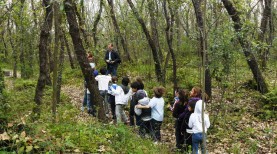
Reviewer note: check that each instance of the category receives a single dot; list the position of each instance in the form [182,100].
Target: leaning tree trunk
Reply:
[169,39]
[246,46]
[74,31]
[117,30]
[158,68]
[43,48]
[203,46]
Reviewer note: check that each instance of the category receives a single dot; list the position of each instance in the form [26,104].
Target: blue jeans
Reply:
[197,139]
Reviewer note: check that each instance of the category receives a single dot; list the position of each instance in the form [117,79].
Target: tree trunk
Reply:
[57,23]
[154,30]
[246,46]
[169,39]
[34,13]
[82,58]
[95,23]
[68,51]
[117,31]
[264,24]
[203,46]
[5,52]
[158,69]
[14,51]
[22,54]
[60,67]
[43,48]
[82,26]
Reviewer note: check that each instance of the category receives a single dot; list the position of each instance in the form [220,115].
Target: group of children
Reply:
[148,114]
[187,110]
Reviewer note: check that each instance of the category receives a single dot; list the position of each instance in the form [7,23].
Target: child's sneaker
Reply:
[82,109]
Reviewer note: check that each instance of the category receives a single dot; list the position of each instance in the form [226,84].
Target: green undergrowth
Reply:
[72,133]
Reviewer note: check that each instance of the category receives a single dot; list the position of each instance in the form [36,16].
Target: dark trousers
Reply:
[156,129]
[178,134]
[112,103]
[144,128]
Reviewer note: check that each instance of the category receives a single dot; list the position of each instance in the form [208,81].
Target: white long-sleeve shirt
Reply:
[195,120]
[120,97]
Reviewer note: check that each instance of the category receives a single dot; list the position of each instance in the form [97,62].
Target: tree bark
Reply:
[34,13]
[169,39]
[251,60]
[264,24]
[68,51]
[22,54]
[117,30]
[74,31]
[203,46]
[60,67]
[154,30]
[95,23]
[82,26]
[158,69]
[14,51]
[43,48]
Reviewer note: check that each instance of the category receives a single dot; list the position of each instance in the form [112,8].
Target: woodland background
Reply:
[228,47]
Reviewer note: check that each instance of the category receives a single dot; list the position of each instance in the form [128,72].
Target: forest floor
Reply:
[235,128]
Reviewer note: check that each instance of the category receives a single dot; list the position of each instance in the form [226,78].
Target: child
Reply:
[157,112]
[112,95]
[103,85]
[178,109]
[144,114]
[176,99]
[195,122]
[134,101]
[120,100]
[185,127]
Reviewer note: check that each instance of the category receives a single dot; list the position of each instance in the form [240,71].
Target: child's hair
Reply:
[139,80]
[197,91]
[114,79]
[103,70]
[192,104]
[89,55]
[159,91]
[135,85]
[183,96]
[125,81]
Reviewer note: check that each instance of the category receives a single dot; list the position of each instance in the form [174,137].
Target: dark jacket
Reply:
[178,109]
[114,57]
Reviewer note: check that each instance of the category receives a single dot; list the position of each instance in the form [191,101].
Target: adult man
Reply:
[112,59]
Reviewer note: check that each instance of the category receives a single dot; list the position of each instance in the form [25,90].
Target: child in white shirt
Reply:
[195,122]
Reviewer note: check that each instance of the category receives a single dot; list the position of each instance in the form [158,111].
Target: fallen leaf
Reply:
[10,125]
[77,151]
[4,136]
[23,134]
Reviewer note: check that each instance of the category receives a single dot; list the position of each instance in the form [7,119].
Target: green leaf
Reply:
[21,150]
[29,148]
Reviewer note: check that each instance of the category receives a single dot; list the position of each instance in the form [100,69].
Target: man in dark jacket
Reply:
[112,59]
